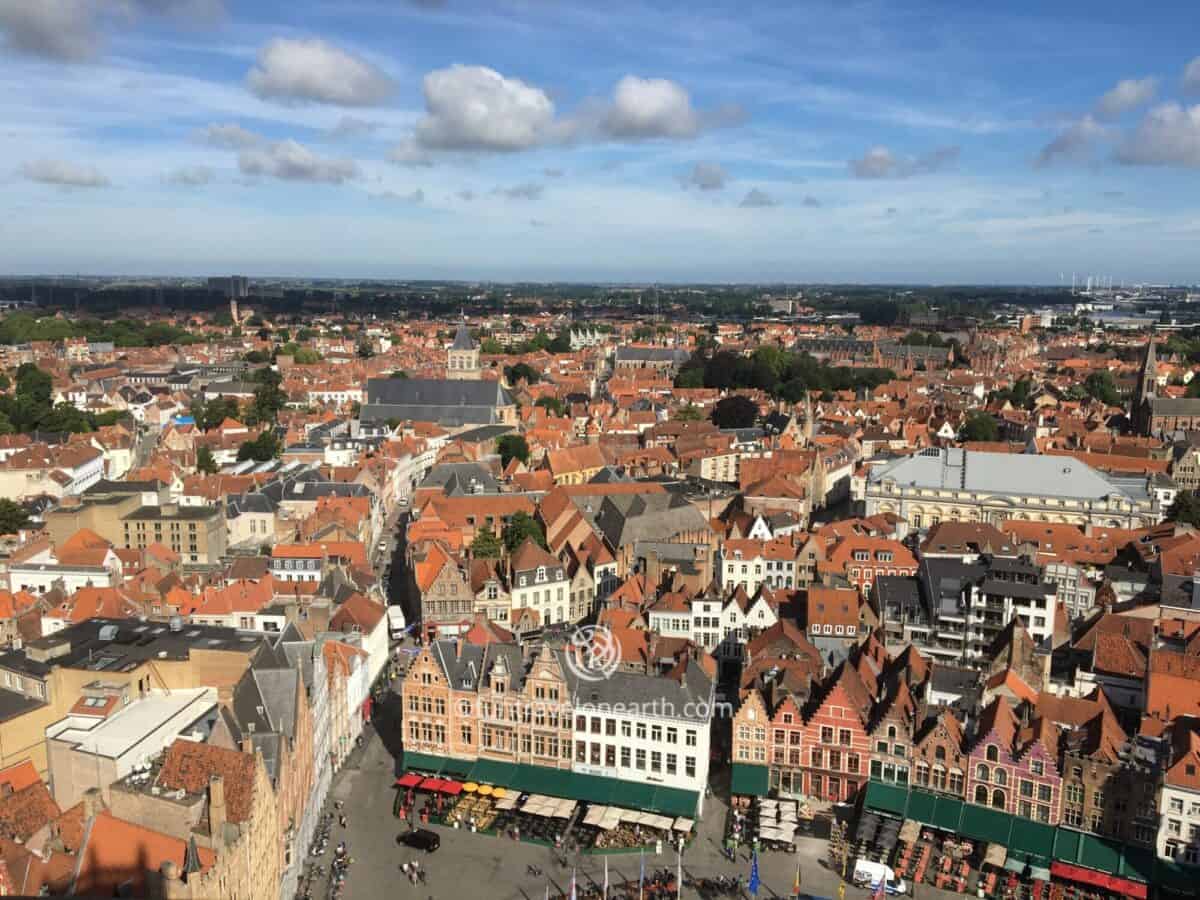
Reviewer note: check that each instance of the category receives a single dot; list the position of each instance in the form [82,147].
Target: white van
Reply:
[869,874]
[396,622]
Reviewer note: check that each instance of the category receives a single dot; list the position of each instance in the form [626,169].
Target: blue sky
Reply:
[545,139]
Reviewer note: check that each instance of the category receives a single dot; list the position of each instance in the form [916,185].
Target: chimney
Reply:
[216,806]
[93,803]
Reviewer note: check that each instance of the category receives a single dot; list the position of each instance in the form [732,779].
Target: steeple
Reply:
[1139,405]
[462,359]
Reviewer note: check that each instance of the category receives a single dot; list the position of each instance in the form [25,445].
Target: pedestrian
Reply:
[342,820]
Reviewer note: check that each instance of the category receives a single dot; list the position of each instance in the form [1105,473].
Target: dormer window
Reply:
[993,753]
[541,573]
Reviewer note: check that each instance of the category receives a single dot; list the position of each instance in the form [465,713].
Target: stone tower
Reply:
[1139,406]
[462,359]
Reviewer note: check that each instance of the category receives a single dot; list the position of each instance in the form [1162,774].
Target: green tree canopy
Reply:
[689,413]
[263,448]
[735,412]
[979,426]
[512,446]
[515,373]
[519,527]
[205,463]
[13,516]
[1185,509]
[486,545]
[552,405]
[1100,386]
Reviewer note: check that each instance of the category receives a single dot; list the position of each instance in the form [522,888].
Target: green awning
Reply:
[886,798]
[1137,864]
[674,802]
[749,780]
[1176,878]
[459,768]
[530,779]
[1066,845]
[494,772]
[983,824]
[1099,854]
[423,762]
[633,794]
[921,806]
[1031,841]
[594,789]
[947,814]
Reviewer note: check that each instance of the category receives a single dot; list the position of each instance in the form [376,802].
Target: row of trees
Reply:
[519,528]
[781,373]
[20,327]
[29,407]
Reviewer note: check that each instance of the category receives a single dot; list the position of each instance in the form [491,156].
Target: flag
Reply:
[796,883]
[880,891]
[753,885]
[574,896]
[605,878]
[642,874]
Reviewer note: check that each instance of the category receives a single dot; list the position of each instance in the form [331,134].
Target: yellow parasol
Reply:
[499,793]
[470,787]
[485,790]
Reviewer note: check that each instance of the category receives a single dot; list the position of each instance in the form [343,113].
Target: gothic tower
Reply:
[462,359]
[1139,406]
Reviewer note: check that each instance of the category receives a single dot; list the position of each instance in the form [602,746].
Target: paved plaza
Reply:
[470,866]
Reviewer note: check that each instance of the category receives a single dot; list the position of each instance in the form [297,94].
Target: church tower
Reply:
[1139,407]
[462,360]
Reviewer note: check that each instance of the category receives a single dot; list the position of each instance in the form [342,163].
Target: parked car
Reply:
[421,839]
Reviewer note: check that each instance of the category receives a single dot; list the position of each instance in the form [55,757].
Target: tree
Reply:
[13,516]
[399,373]
[5,381]
[1100,386]
[209,415]
[1185,509]
[513,374]
[257,357]
[205,463]
[735,412]
[519,527]
[979,426]
[269,398]
[34,384]
[689,413]
[486,545]
[263,448]
[552,405]
[364,350]
[512,446]
[690,378]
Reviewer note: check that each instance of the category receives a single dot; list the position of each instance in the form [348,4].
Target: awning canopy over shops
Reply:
[749,780]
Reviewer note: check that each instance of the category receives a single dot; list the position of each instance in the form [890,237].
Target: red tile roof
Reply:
[189,765]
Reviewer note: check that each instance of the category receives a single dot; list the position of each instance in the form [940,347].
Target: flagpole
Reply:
[605,889]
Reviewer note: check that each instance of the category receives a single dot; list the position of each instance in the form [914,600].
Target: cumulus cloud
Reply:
[70,30]
[292,161]
[1191,77]
[64,174]
[409,153]
[757,199]
[1128,94]
[707,176]
[650,108]
[191,176]
[229,136]
[880,162]
[1168,135]
[477,109]
[526,191]
[1073,142]
[312,70]
[811,202]
[417,196]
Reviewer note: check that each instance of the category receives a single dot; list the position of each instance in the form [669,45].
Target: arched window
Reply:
[1001,777]
[981,772]
[998,799]
[981,795]
[993,753]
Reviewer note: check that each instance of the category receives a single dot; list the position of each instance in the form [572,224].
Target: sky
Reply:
[926,142]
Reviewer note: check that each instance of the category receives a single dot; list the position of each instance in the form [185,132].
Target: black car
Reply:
[421,839]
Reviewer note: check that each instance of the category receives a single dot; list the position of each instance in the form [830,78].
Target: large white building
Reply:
[953,484]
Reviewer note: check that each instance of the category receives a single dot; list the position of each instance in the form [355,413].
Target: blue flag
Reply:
[753,885]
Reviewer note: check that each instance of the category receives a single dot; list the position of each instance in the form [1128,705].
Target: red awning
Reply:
[451,787]
[1098,879]
[412,779]
[431,784]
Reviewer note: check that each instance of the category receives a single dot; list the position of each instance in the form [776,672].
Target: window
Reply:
[689,766]
[626,757]
[1037,767]
[826,735]
[626,729]
[655,761]
[641,759]
[981,773]
[844,737]
[993,753]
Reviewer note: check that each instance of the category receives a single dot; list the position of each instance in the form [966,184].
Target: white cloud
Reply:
[70,30]
[291,161]
[880,162]
[707,176]
[352,126]
[650,108]
[64,174]
[191,176]
[1168,135]
[59,29]
[757,199]
[527,191]
[313,70]
[1128,94]
[1073,142]
[476,108]
[229,136]
[1191,77]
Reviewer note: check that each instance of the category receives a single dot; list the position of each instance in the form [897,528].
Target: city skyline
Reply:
[551,141]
